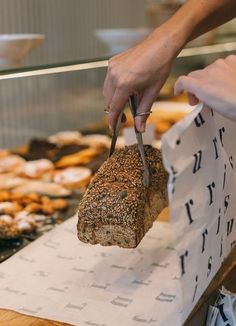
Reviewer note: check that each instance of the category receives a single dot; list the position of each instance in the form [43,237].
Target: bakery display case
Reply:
[54,136]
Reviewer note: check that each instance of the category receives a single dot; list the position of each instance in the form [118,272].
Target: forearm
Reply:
[194,18]
[225,11]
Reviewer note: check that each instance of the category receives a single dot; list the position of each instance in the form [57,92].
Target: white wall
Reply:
[68,24]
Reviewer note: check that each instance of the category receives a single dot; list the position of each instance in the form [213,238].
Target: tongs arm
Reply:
[146,174]
[133,107]
[115,134]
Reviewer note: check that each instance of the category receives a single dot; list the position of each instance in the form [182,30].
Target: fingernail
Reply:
[142,127]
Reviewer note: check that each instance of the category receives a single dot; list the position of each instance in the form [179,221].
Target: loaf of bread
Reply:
[117,209]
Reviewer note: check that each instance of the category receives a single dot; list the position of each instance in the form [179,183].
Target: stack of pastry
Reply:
[20,213]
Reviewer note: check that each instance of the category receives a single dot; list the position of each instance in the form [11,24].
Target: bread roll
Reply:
[117,209]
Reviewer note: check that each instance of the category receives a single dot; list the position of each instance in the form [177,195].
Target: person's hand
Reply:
[141,71]
[215,86]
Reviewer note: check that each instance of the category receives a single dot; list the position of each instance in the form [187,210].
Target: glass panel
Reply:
[42,105]
[69,28]
[76,31]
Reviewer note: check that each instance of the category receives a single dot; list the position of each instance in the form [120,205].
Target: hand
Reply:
[215,86]
[142,70]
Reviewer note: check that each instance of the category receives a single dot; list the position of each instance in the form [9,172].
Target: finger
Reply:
[231,61]
[187,84]
[116,106]
[192,99]
[144,106]
[108,90]
[196,74]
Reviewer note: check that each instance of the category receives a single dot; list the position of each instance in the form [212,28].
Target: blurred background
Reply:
[85,30]
[36,34]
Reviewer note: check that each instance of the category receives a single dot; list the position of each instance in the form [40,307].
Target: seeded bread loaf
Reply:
[117,209]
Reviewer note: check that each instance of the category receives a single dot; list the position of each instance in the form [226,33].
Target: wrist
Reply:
[169,40]
[179,28]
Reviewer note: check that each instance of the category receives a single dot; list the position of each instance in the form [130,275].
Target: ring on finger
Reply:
[138,114]
[106,110]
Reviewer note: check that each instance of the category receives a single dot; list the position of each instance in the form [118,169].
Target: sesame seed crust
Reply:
[117,200]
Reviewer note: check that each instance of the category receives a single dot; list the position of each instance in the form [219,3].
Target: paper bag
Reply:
[200,155]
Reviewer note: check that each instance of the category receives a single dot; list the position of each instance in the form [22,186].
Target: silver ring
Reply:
[106,111]
[143,113]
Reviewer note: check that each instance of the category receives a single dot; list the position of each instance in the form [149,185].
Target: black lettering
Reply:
[221,247]
[182,262]
[221,308]
[210,188]
[174,173]
[188,210]
[226,203]
[197,162]
[231,161]
[178,141]
[199,121]
[209,266]
[215,146]
[224,177]
[204,234]
[230,225]
[218,225]
[195,288]
[221,131]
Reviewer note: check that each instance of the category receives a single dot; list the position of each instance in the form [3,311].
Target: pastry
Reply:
[10,163]
[8,231]
[34,197]
[79,158]
[24,213]
[7,219]
[96,141]
[42,148]
[4,153]
[74,177]
[40,187]
[9,208]
[48,209]
[36,169]
[65,138]
[60,204]
[117,209]
[25,226]
[33,208]
[10,180]
[4,195]
[120,142]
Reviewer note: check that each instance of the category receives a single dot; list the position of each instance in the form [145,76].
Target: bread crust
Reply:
[117,209]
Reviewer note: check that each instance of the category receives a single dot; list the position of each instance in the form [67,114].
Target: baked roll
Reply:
[116,208]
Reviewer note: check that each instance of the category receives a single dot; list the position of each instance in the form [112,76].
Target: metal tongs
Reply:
[133,106]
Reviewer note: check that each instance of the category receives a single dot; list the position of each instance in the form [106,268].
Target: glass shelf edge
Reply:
[187,52]
[55,70]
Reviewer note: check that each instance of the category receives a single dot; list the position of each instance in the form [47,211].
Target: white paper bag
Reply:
[200,155]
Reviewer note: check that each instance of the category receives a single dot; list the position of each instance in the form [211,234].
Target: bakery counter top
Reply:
[226,276]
